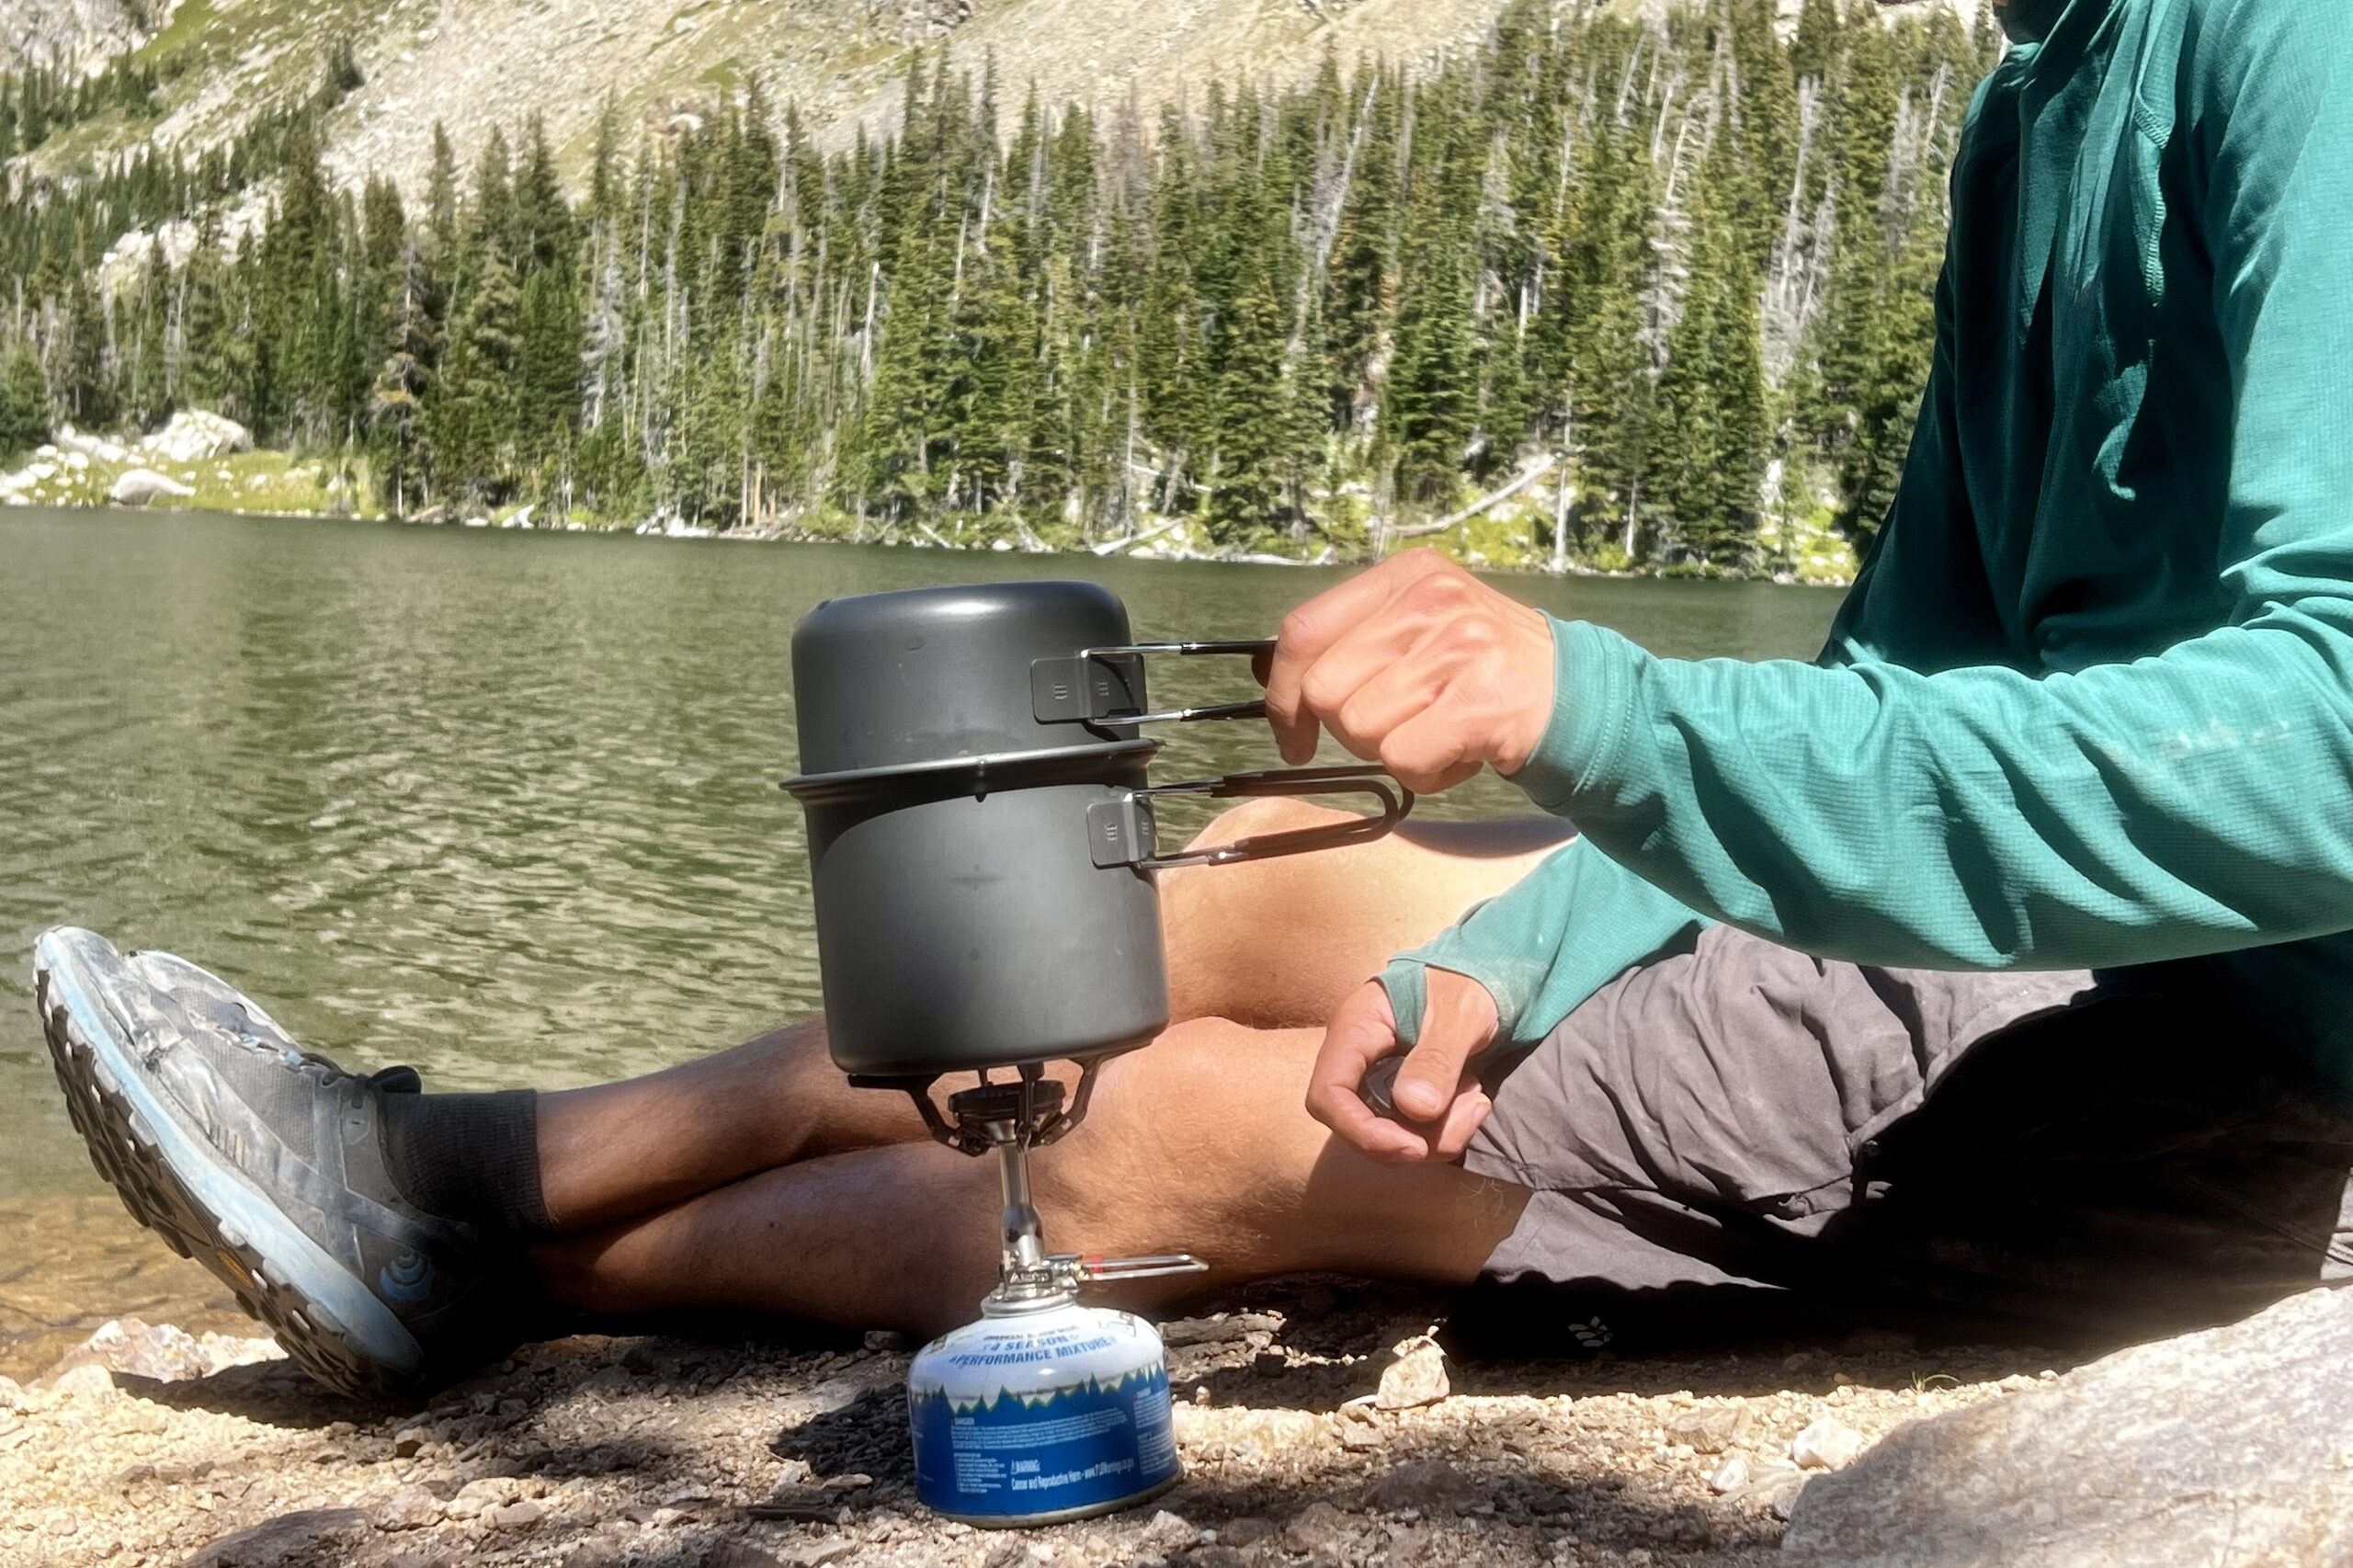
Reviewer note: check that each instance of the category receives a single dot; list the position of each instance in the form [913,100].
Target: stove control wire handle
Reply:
[1026,1273]
[1091,1268]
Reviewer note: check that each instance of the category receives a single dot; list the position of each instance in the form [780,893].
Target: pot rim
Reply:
[984,770]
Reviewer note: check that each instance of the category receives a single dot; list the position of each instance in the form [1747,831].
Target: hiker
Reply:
[1994,965]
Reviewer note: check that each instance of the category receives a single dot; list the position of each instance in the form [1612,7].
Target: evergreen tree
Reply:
[547,375]
[472,422]
[442,231]
[80,376]
[397,400]
[1251,431]
[1606,269]
[148,390]
[1430,405]
[543,234]
[24,402]
[1814,51]
[205,327]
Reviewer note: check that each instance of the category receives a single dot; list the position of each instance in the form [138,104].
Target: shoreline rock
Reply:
[2233,1446]
[194,435]
[142,486]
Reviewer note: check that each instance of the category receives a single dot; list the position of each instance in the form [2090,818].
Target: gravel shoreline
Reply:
[153,1447]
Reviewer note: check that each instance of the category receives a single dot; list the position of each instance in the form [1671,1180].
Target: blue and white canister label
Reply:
[1061,1410]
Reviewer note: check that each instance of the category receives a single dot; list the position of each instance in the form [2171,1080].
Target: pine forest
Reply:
[1601,293]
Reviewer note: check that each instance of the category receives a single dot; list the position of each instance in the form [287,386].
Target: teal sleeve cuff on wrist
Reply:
[1406,981]
[1593,685]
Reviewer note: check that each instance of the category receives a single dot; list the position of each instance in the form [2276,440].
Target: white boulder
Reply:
[80,450]
[140,487]
[194,435]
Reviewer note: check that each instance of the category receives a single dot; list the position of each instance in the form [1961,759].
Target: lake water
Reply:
[502,805]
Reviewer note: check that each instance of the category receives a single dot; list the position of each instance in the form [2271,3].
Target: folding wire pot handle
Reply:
[1102,687]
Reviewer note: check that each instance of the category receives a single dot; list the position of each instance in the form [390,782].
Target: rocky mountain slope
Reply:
[60,32]
[476,63]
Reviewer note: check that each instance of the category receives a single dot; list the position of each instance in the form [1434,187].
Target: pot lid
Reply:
[927,676]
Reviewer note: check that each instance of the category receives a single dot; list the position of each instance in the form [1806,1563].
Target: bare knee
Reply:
[1251,941]
[1256,819]
[1201,1142]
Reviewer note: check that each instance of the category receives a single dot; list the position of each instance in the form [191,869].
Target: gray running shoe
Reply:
[266,1163]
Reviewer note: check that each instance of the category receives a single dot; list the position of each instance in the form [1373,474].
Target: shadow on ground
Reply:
[738,1444]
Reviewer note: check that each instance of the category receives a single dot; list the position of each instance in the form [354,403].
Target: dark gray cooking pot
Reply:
[980,823]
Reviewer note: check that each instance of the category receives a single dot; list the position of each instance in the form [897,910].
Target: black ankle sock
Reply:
[470,1157]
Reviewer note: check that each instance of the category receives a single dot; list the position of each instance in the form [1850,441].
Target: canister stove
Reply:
[1045,1410]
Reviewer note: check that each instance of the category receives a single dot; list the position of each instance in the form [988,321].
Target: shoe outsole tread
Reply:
[127,1155]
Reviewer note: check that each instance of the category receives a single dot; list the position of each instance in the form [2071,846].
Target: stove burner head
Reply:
[1009,1117]
[1026,1110]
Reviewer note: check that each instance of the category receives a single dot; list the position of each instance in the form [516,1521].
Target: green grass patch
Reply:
[882,53]
[242,482]
[77,149]
[262,482]
[189,23]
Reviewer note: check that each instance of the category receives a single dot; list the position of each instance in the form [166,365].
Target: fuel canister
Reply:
[1039,1412]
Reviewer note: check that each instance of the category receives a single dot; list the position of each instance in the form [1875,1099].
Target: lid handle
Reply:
[1105,685]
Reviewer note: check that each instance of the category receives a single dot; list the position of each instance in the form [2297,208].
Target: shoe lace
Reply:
[328,1073]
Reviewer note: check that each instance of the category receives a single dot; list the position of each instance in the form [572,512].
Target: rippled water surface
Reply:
[502,806]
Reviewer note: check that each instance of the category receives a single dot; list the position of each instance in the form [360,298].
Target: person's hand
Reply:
[1417,665]
[1434,1087]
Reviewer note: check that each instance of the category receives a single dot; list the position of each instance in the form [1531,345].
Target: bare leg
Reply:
[1198,1143]
[1272,944]
[618,1150]
[1276,944]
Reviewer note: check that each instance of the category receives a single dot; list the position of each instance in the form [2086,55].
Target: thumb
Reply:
[1458,1020]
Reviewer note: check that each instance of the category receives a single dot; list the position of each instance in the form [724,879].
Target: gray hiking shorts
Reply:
[1741,1136]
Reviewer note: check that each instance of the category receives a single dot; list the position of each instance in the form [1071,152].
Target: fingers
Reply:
[1394,691]
[1416,665]
[1457,1022]
[1405,718]
[1362,1032]
[1427,1084]
[1463,1118]
[1428,753]
[1312,630]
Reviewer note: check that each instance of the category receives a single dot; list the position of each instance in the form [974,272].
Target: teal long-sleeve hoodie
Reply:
[2090,704]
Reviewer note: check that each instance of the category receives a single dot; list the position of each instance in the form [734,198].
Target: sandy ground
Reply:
[737,1451]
